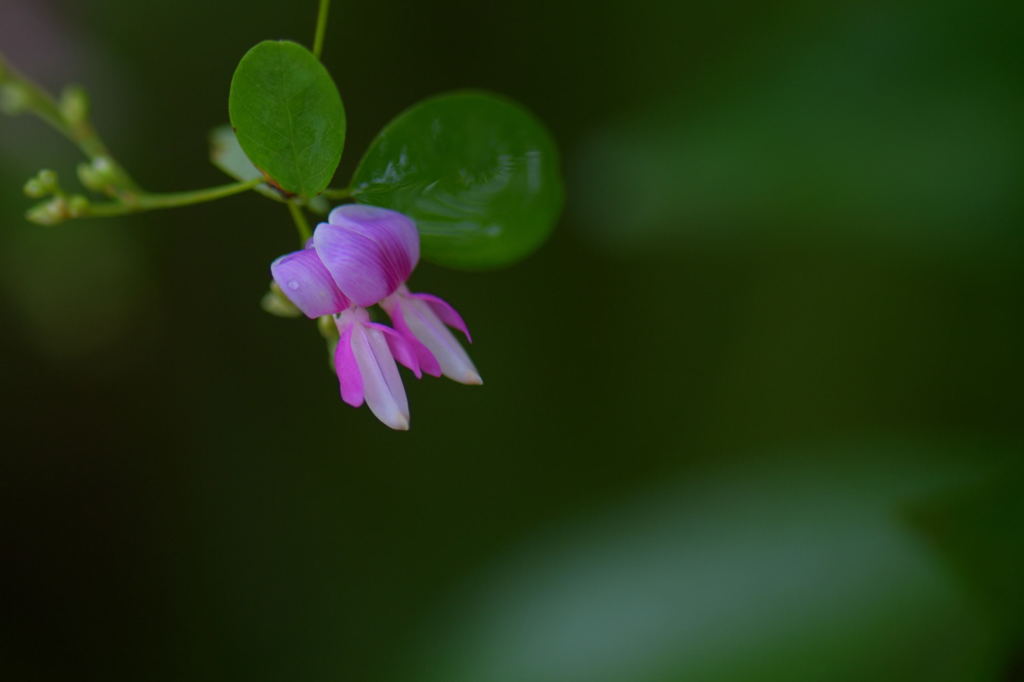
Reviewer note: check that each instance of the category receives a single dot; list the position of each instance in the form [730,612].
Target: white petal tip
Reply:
[470,379]
[399,423]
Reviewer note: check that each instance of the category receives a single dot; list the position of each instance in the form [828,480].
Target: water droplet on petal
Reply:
[293,285]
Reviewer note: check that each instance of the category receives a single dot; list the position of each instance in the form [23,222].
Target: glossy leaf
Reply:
[477,172]
[288,116]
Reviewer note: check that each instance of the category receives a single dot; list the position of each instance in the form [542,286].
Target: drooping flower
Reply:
[364,358]
[362,256]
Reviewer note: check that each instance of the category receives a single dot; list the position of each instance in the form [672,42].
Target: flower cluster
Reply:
[362,256]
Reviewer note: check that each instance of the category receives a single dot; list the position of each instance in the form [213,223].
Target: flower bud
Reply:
[103,165]
[42,184]
[34,189]
[276,303]
[48,179]
[90,178]
[325,325]
[49,212]
[78,206]
[74,104]
[13,98]
[105,170]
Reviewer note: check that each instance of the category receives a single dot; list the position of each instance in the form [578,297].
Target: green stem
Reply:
[24,95]
[341,193]
[321,27]
[301,224]
[144,201]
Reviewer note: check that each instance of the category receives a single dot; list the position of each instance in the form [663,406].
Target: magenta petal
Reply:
[446,312]
[345,365]
[303,278]
[356,263]
[395,232]
[400,348]
[420,321]
[427,362]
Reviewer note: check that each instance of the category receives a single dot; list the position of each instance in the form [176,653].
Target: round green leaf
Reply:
[478,173]
[288,116]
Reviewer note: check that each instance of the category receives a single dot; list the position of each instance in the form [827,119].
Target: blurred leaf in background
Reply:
[887,123]
[773,567]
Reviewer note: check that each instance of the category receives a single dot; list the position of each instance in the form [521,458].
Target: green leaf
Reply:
[288,116]
[477,172]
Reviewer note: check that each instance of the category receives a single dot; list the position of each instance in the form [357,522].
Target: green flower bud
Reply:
[105,170]
[90,178]
[34,189]
[276,303]
[74,104]
[13,98]
[43,183]
[327,328]
[78,206]
[49,212]
[48,179]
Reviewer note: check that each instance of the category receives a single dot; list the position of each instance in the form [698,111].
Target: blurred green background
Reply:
[753,413]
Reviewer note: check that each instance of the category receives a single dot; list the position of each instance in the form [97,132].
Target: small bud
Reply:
[78,206]
[276,303]
[49,212]
[48,179]
[105,169]
[327,328]
[74,104]
[34,189]
[13,98]
[42,184]
[90,178]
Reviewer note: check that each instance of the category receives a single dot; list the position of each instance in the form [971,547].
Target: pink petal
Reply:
[345,366]
[425,325]
[446,312]
[385,395]
[395,232]
[400,348]
[306,282]
[426,360]
[355,263]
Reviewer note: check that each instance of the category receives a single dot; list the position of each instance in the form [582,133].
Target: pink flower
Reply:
[361,257]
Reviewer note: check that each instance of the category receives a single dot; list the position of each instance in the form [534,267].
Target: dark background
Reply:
[753,413]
